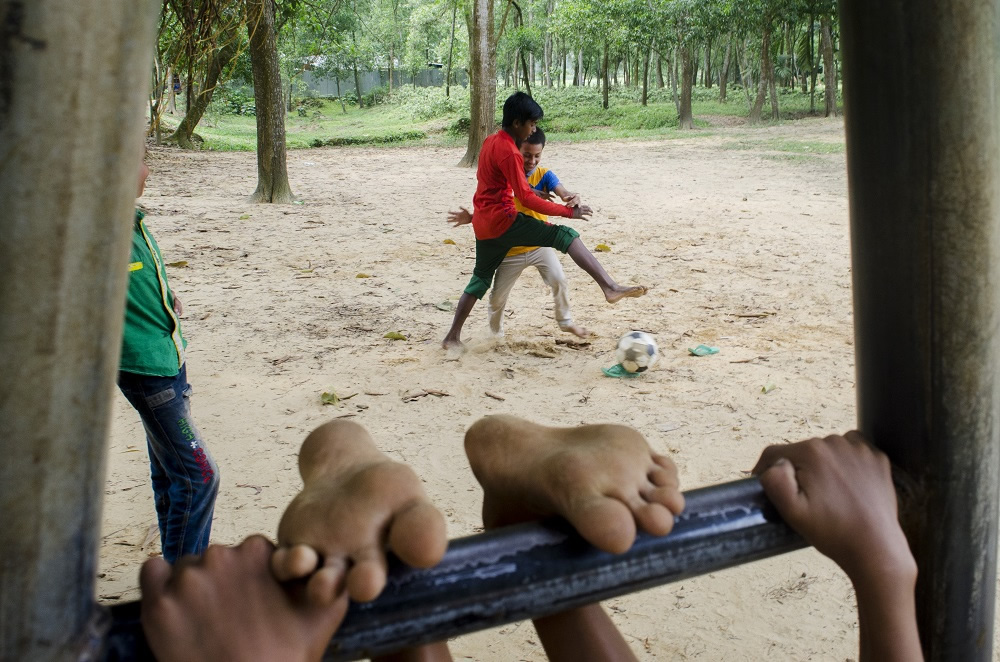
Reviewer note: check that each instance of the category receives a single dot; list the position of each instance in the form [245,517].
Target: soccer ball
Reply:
[637,351]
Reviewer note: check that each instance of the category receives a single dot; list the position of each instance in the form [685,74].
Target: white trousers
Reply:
[547,262]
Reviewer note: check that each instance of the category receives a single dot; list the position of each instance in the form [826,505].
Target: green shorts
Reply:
[524,231]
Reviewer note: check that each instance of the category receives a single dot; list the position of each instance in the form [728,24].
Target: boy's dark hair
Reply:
[537,138]
[519,106]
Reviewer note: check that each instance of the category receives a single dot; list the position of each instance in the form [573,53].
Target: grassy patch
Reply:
[427,116]
[787,145]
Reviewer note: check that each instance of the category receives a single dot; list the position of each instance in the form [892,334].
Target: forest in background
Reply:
[622,66]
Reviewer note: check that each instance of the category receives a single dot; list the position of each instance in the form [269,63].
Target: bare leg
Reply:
[454,338]
[355,500]
[613,292]
[603,478]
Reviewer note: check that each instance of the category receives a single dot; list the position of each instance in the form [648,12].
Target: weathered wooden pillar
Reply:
[921,85]
[73,77]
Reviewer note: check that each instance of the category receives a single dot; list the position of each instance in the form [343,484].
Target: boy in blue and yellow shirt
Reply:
[153,378]
[543,258]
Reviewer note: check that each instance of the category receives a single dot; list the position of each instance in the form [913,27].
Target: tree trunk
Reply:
[565,63]
[527,81]
[73,80]
[392,58]
[547,62]
[812,64]
[772,85]
[222,56]
[482,80]
[451,50]
[645,76]
[829,73]
[272,169]
[357,78]
[685,119]
[580,71]
[172,95]
[340,96]
[724,74]
[659,71]
[765,78]
[604,90]
[708,64]
[673,82]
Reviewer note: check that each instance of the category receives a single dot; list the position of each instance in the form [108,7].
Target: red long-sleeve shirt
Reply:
[501,177]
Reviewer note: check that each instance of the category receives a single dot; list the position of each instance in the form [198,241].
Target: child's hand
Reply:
[544,194]
[458,218]
[837,492]
[582,211]
[227,606]
[178,308]
[571,199]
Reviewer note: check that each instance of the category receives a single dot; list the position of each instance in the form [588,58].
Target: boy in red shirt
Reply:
[498,225]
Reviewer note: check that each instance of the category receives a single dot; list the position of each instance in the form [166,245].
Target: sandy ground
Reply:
[745,249]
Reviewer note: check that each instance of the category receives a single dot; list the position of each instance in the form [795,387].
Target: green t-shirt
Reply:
[152,343]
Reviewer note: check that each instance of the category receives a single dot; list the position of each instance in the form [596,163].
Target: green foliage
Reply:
[233,101]
[425,103]
[384,139]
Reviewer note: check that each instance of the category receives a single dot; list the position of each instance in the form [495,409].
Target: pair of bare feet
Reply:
[613,294]
[604,479]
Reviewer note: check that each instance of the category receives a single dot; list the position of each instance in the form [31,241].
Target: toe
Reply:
[366,577]
[418,535]
[294,562]
[606,523]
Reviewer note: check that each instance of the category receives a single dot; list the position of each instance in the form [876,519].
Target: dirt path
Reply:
[742,235]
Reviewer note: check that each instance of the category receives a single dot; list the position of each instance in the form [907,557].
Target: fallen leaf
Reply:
[178,263]
[445,305]
[244,217]
[362,275]
[329,398]
[450,241]
[394,335]
[602,248]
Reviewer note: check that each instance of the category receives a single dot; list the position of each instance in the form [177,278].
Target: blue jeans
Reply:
[185,477]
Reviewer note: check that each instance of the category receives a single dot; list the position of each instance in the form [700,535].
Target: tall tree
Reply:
[482,80]
[272,167]
[829,70]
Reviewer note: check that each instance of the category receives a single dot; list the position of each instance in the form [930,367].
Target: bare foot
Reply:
[604,479]
[452,344]
[576,329]
[354,502]
[618,293]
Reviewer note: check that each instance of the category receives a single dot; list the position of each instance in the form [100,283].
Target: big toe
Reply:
[418,535]
[294,562]
[605,523]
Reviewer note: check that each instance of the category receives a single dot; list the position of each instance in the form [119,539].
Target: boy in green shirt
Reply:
[153,378]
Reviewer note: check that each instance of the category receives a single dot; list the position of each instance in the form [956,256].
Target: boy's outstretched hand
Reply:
[457,218]
[582,211]
[227,606]
[571,199]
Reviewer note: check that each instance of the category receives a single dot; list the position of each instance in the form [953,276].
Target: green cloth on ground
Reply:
[618,371]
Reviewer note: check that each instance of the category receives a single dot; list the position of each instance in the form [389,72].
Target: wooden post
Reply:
[921,84]
[73,80]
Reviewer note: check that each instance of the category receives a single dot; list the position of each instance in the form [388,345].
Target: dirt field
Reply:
[742,235]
